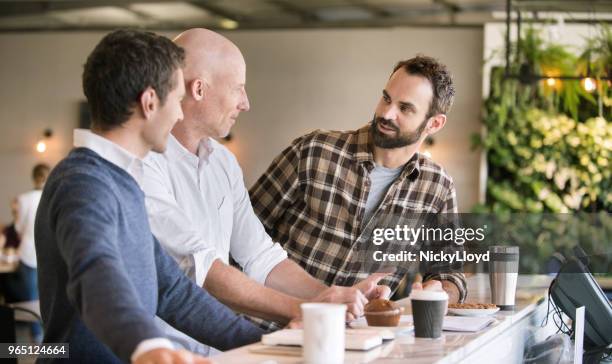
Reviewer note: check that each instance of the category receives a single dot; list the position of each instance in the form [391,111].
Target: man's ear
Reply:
[437,122]
[197,87]
[148,102]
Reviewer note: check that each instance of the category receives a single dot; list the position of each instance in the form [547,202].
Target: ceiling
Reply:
[78,15]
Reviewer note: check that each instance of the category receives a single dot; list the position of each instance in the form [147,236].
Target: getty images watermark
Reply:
[412,236]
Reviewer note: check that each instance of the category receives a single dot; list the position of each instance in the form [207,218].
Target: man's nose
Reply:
[244,105]
[389,112]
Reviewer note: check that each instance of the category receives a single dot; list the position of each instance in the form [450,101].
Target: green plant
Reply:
[547,148]
[596,60]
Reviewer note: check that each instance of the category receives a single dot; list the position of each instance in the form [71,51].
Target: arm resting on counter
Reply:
[192,310]
[287,276]
[243,294]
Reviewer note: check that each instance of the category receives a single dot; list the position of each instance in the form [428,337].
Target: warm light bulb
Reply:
[41,146]
[551,82]
[228,24]
[589,84]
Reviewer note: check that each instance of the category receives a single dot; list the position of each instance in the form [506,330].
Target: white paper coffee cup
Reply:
[324,330]
[428,309]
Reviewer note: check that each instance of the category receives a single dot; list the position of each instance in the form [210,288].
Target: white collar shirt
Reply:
[199,209]
[110,151]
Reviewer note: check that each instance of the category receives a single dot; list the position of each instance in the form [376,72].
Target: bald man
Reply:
[199,207]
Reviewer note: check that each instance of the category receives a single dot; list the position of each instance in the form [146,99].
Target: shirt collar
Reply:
[205,149]
[362,153]
[110,151]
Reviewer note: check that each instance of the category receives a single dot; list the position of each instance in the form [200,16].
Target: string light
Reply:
[551,82]
[589,84]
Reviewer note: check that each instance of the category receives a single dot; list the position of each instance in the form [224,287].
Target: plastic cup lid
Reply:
[425,295]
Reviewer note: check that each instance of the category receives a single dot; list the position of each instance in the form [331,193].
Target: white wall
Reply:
[296,80]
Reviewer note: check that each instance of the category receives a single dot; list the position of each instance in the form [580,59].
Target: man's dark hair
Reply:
[438,75]
[121,67]
[40,172]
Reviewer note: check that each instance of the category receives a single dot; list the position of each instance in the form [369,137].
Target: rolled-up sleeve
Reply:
[174,228]
[250,245]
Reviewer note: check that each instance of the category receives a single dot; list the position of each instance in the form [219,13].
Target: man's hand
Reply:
[371,289]
[296,323]
[168,356]
[434,285]
[355,297]
[352,297]
[431,285]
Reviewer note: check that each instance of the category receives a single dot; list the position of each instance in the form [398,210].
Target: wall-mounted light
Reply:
[228,24]
[41,146]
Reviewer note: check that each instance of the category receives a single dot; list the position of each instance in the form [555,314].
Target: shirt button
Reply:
[340,280]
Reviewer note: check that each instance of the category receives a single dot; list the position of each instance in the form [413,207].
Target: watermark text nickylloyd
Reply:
[431,256]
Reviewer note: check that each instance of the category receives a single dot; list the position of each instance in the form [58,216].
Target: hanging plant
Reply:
[548,148]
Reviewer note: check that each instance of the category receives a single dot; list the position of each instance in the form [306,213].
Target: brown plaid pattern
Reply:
[313,196]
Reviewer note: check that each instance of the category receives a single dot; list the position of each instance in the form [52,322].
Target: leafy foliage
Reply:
[547,145]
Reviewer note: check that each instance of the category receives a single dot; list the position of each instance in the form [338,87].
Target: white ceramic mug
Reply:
[324,330]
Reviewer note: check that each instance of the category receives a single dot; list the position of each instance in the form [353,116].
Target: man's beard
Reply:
[386,141]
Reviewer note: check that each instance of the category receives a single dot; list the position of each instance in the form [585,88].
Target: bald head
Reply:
[207,53]
[215,78]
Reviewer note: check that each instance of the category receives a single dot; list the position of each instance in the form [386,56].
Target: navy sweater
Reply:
[103,276]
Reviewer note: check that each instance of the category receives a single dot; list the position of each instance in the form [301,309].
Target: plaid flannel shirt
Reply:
[312,199]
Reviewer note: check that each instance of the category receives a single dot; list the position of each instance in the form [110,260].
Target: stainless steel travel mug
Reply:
[503,274]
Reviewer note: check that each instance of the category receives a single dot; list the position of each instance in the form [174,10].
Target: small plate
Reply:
[405,325]
[473,311]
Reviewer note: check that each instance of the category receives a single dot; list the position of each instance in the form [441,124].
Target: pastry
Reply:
[381,312]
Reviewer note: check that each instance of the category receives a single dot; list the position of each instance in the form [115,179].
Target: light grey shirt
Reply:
[380,180]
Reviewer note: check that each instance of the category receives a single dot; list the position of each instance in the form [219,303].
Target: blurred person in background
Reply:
[23,284]
[9,239]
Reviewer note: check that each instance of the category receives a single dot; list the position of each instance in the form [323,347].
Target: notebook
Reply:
[354,340]
[466,323]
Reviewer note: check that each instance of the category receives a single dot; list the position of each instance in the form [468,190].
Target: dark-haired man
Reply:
[103,276]
[323,194]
